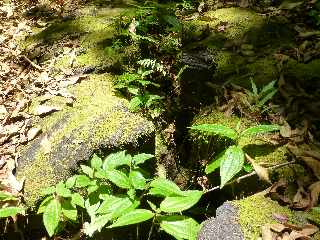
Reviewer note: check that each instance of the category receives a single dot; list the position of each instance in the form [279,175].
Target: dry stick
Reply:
[252,174]
[36,66]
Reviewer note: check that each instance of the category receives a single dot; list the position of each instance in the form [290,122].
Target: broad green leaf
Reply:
[82,181]
[164,187]
[92,189]
[215,163]
[180,227]
[141,158]
[137,179]
[48,191]
[87,170]
[266,98]
[118,178]
[77,200]
[91,208]
[97,224]
[260,129]
[133,90]
[131,193]
[69,211]
[62,191]
[44,204]
[11,211]
[135,104]
[231,164]
[71,181]
[119,212]
[96,162]
[6,196]
[216,129]
[153,206]
[133,217]
[102,174]
[180,203]
[113,203]
[116,159]
[51,216]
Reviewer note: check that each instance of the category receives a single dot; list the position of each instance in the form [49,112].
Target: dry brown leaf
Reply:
[261,172]
[278,227]
[301,199]
[32,133]
[314,192]
[42,110]
[46,145]
[313,153]
[266,233]
[314,164]
[308,230]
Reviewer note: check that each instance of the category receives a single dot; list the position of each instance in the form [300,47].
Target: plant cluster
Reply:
[142,85]
[231,161]
[116,192]
[10,205]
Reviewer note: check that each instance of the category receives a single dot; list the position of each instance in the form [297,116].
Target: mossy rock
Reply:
[97,120]
[243,219]
[245,45]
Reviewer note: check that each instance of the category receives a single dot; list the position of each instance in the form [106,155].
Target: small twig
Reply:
[36,66]
[151,229]
[252,174]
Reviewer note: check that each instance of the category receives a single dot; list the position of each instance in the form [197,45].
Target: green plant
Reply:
[116,192]
[257,99]
[231,160]
[10,205]
[140,85]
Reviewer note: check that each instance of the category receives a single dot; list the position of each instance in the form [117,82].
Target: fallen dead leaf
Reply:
[46,145]
[301,200]
[314,164]
[266,233]
[314,193]
[278,227]
[32,133]
[42,110]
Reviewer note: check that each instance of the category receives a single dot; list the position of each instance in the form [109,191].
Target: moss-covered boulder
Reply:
[243,42]
[97,120]
[243,219]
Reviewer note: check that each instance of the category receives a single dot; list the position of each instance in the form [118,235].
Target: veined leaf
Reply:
[51,216]
[164,187]
[133,217]
[62,191]
[87,170]
[266,98]
[48,191]
[118,178]
[231,164]
[113,203]
[180,203]
[141,158]
[11,211]
[44,204]
[96,224]
[137,179]
[82,181]
[6,197]
[267,88]
[215,163]
[180,227]
[260,129]
[254,87]
[216,129]
[69,211]
[96,162]
[135,103]
[71,181]
[115,160]
[77,200]
[91,209]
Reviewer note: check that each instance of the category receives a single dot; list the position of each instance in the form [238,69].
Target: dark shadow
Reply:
[258,150]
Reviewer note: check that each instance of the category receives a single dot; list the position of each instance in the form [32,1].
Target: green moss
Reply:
[97,119]
[257,211]
[239,21]
[303,71]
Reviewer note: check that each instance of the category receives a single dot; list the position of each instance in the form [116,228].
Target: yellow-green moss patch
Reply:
[257,211]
